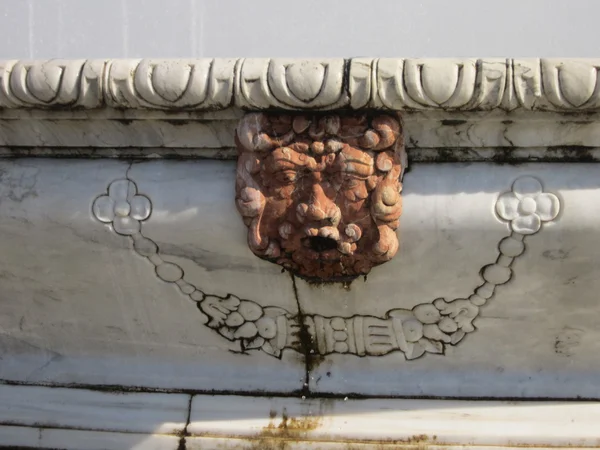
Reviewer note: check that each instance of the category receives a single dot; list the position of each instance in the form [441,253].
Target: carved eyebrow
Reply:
[356,161]
[279,165]
[359,170]
[287,154]
[355,156]
[285,158]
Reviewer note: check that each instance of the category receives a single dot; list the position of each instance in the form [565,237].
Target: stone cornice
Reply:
[557,85]
[502,110]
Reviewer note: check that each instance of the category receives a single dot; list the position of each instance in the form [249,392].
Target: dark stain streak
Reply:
[124,152]
[47,294]
[447,155]
[178,122]
[452,122]
[112,388]
[504,155]
[504,135]
[571,280]
[242,351]
[567,341]
[557,254]
[343,282]
[576,122]
[307,342]
[21,447]
[185,433]
[124,121]
[413,143]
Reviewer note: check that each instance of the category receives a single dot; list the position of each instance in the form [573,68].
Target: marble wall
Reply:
[138,274]
[225,28]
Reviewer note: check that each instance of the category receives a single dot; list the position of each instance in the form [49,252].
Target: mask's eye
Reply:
[286,176]
[351,181]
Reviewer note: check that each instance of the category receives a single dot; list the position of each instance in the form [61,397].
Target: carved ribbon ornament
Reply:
[320,194]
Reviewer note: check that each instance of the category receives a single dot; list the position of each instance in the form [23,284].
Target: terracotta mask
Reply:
[320,195]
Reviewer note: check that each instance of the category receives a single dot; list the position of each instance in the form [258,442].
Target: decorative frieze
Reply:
[52,83]
[468,84]
[428,327]
[297,84]
[175,84]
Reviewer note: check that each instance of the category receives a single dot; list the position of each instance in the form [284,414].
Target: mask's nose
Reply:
[319,207]
[321,216]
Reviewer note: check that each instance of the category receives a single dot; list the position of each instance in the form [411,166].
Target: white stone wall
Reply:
[308,28]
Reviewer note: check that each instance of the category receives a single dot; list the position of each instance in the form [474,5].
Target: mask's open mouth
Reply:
[321,244]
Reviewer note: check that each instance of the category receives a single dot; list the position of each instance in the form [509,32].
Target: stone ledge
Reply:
[439,136]
[46,417]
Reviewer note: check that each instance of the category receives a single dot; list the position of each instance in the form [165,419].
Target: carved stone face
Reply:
[321,195]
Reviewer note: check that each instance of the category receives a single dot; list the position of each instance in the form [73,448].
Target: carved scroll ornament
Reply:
[320,195]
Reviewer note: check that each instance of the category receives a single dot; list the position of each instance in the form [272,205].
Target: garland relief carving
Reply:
[428,327]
